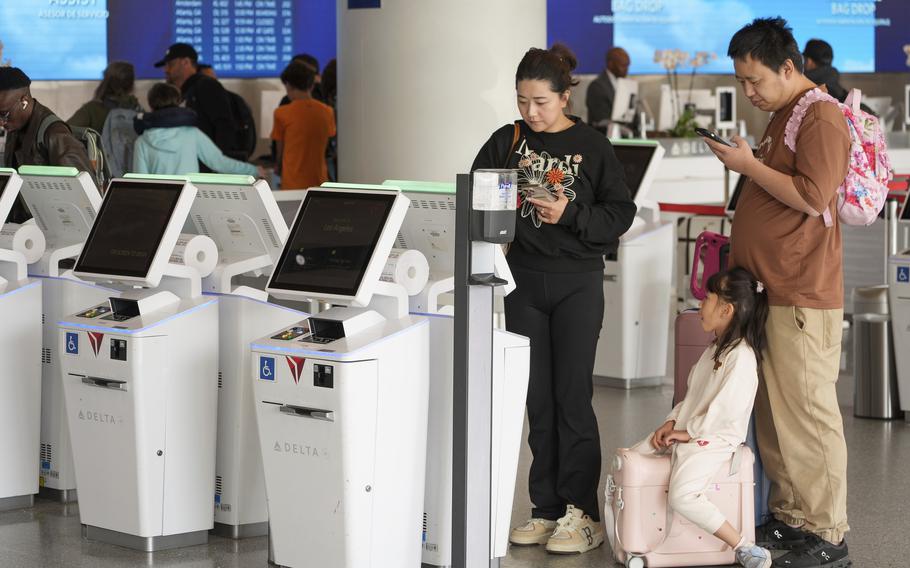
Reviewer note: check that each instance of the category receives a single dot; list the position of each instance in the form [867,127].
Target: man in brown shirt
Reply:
[780,236]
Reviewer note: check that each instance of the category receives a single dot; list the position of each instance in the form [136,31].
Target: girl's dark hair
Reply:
[554,65]
[299,75]
[163,95]
[767,40]
[118,80]
[737,287]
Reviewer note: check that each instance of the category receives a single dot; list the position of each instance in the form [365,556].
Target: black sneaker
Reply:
[816,553]
[777,535]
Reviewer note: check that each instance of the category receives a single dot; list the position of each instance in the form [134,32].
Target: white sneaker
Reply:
[575,533]
[535,531]
[752,556]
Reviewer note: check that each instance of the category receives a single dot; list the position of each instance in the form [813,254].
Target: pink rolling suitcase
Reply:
[636,516]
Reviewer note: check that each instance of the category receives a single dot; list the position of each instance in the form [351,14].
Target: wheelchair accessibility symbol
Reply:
[72,343]
[903,273]
[267,368]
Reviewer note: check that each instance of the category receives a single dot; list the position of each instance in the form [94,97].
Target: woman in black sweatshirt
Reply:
[581,209]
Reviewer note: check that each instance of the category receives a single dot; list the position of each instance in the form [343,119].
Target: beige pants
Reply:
[798,422]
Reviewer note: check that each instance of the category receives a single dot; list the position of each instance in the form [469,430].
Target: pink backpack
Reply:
[862,195]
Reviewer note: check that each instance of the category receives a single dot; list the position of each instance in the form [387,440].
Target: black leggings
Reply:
[561,313]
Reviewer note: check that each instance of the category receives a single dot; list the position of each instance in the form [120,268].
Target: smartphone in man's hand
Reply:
[713,136]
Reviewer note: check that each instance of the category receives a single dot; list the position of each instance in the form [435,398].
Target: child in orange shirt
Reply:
[302,131]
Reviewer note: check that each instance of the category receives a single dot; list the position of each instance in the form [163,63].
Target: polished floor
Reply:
[49,535]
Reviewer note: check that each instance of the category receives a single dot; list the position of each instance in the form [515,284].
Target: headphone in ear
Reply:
[24,105]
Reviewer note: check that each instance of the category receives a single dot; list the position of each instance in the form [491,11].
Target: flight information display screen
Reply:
[75,39]
[129,228]
[635,160]
[332,242]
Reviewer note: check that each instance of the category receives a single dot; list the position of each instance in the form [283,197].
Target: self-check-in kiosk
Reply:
[429,227]
[20,351]
[341,397]
[64,203]
[140,375]
[243,219]
[632,348]
[899,300]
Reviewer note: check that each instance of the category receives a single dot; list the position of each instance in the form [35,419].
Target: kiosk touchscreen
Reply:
[242,217]
[429,228]
[64,203]
[341,397]
[20,352]
[140,376]
[632,347]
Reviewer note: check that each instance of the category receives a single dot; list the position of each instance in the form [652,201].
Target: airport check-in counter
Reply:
[429,228]
[64,203]
[341,396]
[140,375]
[20,351]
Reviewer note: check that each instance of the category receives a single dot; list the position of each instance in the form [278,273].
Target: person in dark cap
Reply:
[21,115]
[818,57]
[204,95]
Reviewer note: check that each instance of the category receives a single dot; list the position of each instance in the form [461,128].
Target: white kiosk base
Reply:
[20,383]
[511,366]
[241,510]
[141,396]
[61,297]
[632,350]
[343,426]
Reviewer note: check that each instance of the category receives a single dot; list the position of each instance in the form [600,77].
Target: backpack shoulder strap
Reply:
[46,123]
[791,131]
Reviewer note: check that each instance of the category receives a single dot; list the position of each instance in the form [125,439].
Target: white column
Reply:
[423,83]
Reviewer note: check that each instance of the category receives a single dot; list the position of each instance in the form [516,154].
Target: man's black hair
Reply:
[767,40]
[13,78]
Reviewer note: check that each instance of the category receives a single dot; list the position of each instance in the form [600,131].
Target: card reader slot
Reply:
[304,412]
[102,382]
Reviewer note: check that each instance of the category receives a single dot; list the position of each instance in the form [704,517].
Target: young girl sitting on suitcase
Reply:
[707,427]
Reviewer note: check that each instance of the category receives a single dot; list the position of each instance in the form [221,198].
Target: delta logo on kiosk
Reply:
[296,366]
[95,338]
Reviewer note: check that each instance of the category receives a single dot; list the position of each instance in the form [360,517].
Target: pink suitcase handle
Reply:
[710,242]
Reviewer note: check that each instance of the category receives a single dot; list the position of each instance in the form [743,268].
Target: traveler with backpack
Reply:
[787,233]
[178,149]
[302,130]
[35,135]
[114,92]
[213,103]
[111,114]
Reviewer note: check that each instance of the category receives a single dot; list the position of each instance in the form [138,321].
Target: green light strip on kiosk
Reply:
[156,176]
[435,187]
[336,185]
[56,171]
[635,141]
[221,179]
